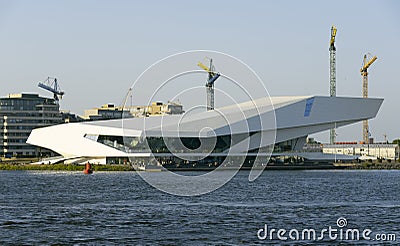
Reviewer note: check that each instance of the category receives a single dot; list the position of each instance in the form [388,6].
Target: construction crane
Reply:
[212,77]
[332,77]
[364,73]
[50,84]
[125,100]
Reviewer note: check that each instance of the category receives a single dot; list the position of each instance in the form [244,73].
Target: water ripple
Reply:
[67,208]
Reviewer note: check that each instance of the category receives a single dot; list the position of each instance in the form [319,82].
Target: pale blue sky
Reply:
[97,49]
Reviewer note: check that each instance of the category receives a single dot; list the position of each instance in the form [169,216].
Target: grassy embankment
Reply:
[63,167]
[369,165]
[378,165]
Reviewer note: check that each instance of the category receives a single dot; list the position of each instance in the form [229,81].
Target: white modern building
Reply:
[365,151]
[206,138]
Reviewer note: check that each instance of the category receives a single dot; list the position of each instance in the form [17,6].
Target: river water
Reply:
[69,208]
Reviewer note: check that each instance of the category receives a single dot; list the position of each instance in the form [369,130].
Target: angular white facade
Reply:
[248,126]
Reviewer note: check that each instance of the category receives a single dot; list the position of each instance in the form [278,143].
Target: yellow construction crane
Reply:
[364,73]
[212,77]
[366,65]
[332,74]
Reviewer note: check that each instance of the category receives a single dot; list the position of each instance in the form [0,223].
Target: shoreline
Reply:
[120,167]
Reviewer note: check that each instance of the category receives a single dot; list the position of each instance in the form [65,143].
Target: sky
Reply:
[97,49]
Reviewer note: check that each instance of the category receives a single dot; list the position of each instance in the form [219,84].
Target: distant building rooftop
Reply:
[111,111]
[22,95]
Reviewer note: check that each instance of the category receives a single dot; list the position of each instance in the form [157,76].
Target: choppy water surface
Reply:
[120,208]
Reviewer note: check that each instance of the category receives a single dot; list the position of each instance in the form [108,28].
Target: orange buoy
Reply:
[88,169]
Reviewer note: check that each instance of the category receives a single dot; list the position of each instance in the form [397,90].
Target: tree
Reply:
[396,141]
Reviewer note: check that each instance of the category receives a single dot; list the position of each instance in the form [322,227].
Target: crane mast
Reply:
[212,77]
[364,73]
[332,75]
